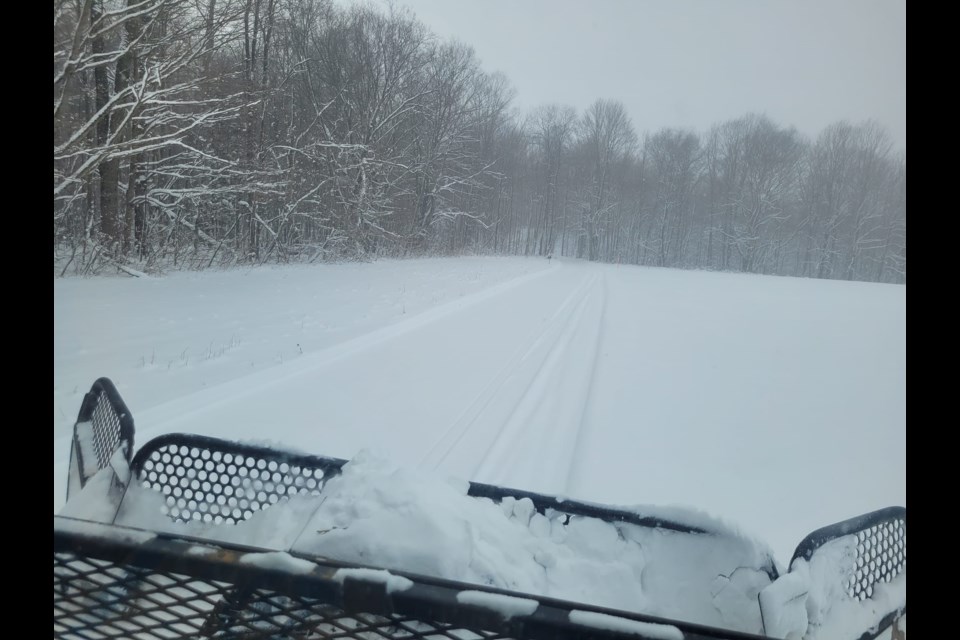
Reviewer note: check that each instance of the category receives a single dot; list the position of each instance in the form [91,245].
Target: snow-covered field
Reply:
[777,404]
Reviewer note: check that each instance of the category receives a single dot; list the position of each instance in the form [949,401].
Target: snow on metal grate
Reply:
[211,485]
[881,555]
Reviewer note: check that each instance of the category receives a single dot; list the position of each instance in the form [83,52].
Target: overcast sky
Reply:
[693,63]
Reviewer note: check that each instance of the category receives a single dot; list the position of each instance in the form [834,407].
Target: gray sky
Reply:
[693,63]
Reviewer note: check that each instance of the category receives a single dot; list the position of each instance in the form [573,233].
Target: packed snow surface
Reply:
[772,402]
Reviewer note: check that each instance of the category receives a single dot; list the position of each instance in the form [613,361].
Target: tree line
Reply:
[194,133]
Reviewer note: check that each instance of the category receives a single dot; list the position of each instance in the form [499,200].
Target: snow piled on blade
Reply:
[812,601]
[379,514]
[833,613]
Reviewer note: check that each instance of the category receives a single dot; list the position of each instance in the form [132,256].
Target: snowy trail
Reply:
[776,403]
[202,402]
[536,446]
[319,402]
[512,432]
[509,381]
[165,338]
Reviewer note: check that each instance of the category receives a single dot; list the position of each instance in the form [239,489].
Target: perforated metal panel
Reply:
[216,480]
[107,434]
[880,552]
[109,427]
[881,557]
[206,483]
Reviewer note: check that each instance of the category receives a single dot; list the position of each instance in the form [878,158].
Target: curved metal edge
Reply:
[821,536]
[573,507]
[108,389]
[328,465]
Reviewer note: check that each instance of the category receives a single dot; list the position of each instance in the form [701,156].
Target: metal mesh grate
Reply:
[212,485]
[881,555]
[103,427]
[118,582]
[100,599]
[106,429]
[94,599]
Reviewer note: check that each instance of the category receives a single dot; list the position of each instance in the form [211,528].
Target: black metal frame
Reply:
[880,554]
[211,589]
[853,526]
[218,481]
[110,577]
[112,425]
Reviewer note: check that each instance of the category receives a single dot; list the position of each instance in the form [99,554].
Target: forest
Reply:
[191,134]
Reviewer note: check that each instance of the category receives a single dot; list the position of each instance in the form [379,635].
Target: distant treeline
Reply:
[191,133]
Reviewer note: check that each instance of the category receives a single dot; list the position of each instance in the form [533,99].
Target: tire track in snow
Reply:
[536,349]
[523,421]
[162,418]
[535,446]
[572,467]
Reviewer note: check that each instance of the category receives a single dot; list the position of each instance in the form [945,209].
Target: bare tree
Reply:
[189,132]
[551,129]
[674,158]
[606,136]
